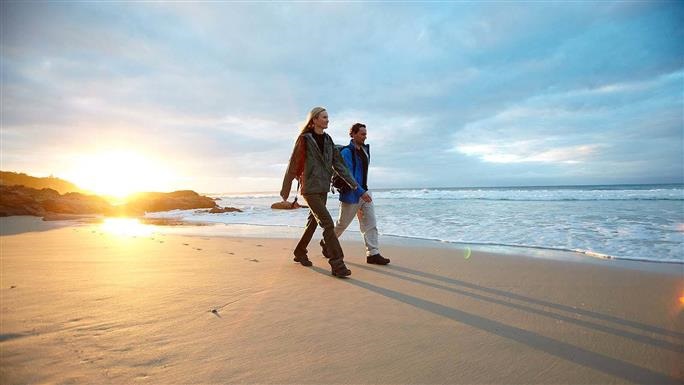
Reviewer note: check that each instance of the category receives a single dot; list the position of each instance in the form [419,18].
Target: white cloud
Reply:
[570,127]
[532,151]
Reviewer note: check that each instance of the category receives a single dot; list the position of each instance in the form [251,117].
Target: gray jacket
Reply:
[314,169]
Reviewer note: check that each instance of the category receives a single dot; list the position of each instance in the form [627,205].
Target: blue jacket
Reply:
[347,153]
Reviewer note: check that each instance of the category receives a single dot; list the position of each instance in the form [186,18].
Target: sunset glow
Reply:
[119,173]
[126,227]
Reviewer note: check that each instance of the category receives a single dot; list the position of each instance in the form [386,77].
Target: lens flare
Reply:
[467,253]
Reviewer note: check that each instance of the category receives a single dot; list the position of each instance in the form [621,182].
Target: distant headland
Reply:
[55,198]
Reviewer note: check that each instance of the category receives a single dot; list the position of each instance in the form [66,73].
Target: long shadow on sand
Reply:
[570,309]
[548,345]
[588,324]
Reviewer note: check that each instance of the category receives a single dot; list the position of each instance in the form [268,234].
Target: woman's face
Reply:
[321,121]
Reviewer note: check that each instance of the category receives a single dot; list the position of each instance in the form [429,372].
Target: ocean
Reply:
[632,222]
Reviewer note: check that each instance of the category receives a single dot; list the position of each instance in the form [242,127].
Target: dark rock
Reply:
[285,205]
[178,200]
[218,210]
[20,200]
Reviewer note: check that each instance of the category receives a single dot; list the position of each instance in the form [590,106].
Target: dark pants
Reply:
[319,215]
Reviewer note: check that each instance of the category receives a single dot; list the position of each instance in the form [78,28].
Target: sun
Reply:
[119,173]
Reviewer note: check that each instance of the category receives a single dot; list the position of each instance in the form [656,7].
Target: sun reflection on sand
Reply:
[126,227]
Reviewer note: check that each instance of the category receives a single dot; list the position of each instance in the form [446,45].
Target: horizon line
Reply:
[468,187]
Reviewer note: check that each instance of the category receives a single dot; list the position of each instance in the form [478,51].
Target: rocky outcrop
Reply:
[20,200]
[141,203]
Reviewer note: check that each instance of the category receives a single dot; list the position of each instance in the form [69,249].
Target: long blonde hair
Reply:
[309,119]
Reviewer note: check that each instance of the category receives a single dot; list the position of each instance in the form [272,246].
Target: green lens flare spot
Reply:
[466,253]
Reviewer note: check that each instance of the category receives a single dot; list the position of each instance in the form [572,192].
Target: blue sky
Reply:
[453,94]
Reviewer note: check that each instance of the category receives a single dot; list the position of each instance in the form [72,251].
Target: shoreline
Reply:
[245,230]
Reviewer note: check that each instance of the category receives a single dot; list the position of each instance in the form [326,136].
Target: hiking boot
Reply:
[303,259]
[341,272]
[377,259]
[338,268]
[324,250]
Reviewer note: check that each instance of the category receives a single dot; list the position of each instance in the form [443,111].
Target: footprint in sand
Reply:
[197,248]
[252,260]
[259,245]
[186,244]
[230,252]
[161,241]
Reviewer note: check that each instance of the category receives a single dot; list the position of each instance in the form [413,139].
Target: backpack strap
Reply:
[353,157]
[300,171]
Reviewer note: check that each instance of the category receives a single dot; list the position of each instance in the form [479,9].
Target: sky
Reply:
[209,96]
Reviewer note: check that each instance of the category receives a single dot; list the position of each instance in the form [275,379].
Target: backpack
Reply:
[338,183]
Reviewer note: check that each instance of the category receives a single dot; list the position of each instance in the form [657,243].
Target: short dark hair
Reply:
[355,128]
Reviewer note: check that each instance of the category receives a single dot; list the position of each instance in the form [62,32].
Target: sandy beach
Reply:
[82,304]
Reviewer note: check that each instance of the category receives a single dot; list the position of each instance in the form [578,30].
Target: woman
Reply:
[313,161]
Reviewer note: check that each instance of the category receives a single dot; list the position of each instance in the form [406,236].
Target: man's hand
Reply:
[366,197]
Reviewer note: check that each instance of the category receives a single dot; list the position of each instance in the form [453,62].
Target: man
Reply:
[358,202]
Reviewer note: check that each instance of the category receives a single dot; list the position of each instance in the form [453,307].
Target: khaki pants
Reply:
[365,211]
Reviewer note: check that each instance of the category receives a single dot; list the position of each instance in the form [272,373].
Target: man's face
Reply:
[321,121]
[360,136]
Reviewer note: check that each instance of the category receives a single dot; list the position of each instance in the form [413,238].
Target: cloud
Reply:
[602,125]
[452,93]
[528,151]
